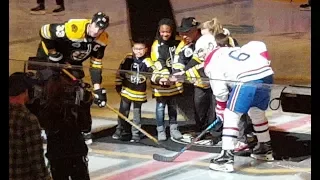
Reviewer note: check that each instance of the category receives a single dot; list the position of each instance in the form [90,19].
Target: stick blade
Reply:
[162,158]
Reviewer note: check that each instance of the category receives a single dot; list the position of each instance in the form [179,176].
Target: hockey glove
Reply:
[100,97]
[56,57]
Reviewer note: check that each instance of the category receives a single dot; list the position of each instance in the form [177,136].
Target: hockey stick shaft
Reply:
[133,124]
[172,158]
[200,135]
[119,114]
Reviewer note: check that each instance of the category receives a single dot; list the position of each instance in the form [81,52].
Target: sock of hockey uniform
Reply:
[230,130]
[260,124]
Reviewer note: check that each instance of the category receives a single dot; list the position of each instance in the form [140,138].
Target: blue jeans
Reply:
[160,109]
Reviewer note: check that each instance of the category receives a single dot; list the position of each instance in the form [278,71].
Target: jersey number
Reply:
[239,56]
[60,31]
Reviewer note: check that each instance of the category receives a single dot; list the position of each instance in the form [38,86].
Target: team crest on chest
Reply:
[188,52]
[76,44]
[74,28]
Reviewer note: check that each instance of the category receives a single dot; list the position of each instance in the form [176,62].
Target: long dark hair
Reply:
[171,24]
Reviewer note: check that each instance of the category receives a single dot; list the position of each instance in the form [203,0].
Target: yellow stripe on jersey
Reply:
[96,63]
[179,66]
[133,95]
[45,49]
[159,91]
[176,64]
[76,29]
[134,92]
[162,73]
[45,31]
[180,46]
[154,51]
[194,76]
[196,59]
[149,63]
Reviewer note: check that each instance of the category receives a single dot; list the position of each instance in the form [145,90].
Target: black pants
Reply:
[74,167]
[123,126]
[204,102]
[58,2]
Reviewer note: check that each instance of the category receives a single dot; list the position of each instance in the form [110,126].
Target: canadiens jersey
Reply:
[71,40]
[227,65]
[162,55]
[133,83]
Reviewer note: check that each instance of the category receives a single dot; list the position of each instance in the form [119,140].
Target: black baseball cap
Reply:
[187,24]
[19,82]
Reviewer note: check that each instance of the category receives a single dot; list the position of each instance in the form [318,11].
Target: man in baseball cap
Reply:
[19,82]
[187,24]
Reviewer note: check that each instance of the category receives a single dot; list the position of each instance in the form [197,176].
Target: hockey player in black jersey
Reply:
[73,42]
[131,85]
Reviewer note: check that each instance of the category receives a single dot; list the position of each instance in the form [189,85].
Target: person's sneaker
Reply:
[135,138]
[39,10]
[263,151]
[117,135]
[88,138]
[223,162]
[174,132]
[58,10]
[162,136]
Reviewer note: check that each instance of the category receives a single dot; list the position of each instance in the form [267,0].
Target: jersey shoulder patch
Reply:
[103,39]
[76,28]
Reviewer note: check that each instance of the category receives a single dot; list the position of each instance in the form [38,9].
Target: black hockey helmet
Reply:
[101,19]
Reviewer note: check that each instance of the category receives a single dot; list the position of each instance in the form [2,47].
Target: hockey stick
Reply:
[162,158]
[133,124]
[119,114]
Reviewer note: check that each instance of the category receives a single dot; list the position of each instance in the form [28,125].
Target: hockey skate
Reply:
[263,151]
[223,162]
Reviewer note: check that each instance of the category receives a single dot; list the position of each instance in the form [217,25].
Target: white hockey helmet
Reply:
[205,44]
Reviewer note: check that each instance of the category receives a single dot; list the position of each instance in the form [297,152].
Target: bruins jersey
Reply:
[185,60]
[162,55]
[182,56]
[70,39]
[133,83]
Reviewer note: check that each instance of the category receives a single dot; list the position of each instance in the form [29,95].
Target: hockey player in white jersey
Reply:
[247,72]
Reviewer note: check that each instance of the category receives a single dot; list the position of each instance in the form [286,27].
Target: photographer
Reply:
[65,116]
